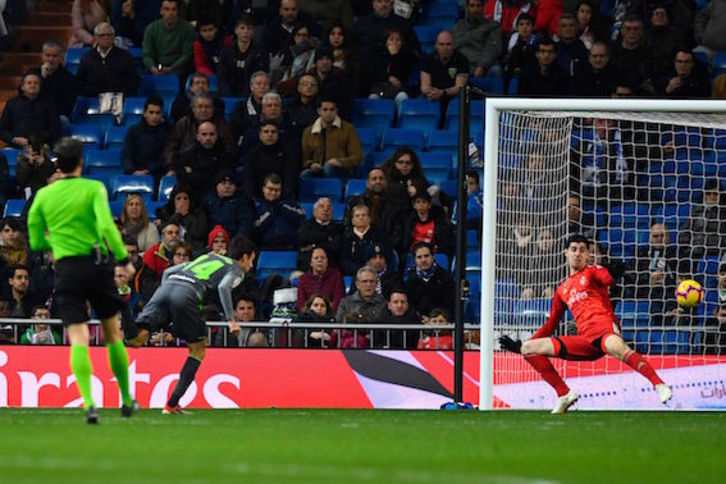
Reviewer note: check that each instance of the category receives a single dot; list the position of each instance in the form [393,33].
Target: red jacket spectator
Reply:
[157,259]
[329,283]
[202,62]
[548,14]
[506,12]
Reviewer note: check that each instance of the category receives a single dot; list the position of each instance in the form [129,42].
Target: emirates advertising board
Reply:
[288,378]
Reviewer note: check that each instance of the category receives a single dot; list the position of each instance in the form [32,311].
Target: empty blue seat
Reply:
[476,113]
[88,134]
[355,187]
[313,188]
[403,137]
[419,113]
[437,159]
[229,103]
[436,176]
[166,185]
[275,262]
[373,113]
[443,140]
[472,240]
[719,63]
[134,105]
[11,156]
[102,161]
[426,35]
[441,12]
[152,206]
[115,136]
[74,54]
[165,85]
[449,187]
[117,207]
[14,207]
[141,184]
[84,107]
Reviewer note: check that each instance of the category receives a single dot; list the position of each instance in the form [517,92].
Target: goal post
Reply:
[510,134]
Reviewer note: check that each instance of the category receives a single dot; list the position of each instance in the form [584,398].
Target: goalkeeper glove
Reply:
[509,344]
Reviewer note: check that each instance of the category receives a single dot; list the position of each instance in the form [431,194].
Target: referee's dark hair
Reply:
[69,152]
[239,246]
[577,239]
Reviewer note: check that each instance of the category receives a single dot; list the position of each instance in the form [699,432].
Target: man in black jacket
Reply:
[545,78]
[594,78]
[59,86]
[29,113]
[143,150]
[429,286]
[320,231]
[398,311]
[198,165]
[271,156]
[240,59]
[107,68]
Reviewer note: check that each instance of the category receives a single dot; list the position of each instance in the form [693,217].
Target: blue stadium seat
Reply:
[115,136]
[443,140]
[449,187]
[426,35]
[86,111]
[165,85]
[166,184]
[14,207]
[11,155]
[89,134]
[719,64]
[141,184]
[229,103]
[137,53]
[513,85]
[73,55]
[272,262]
[354,187]
[472,240]
[419,113]
[313,188]
[102,161]
[117,206]
[373,113]
[152,206]
[402,137]
[441,12]
[476,112]
[438,160]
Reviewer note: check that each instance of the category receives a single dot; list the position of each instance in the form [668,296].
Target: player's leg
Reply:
[154,316]
[616,347]
[81,366]
[187,375]
[535,352]
[118,360]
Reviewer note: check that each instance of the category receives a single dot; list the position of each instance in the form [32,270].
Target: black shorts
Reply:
[177,304]
[80,279]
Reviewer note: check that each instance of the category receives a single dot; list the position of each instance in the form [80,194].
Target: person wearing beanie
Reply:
[218,240]
[227,207]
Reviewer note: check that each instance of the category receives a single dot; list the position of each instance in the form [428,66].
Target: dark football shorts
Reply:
[579,348]
[80,279]
[178,303]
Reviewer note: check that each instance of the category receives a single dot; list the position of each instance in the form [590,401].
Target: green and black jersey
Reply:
[71,217]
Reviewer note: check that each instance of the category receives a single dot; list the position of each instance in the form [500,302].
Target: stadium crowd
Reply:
[266,107]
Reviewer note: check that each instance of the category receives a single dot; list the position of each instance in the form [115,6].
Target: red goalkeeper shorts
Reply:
[579,348]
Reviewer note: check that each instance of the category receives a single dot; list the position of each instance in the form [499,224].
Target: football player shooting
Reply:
[180,298]
[585,294]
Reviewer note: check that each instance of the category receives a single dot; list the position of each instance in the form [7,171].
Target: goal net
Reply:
[646,182]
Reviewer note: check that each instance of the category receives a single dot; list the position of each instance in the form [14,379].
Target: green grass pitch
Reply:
[370,446]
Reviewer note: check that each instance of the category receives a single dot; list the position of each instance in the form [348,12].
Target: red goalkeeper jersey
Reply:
[585,294]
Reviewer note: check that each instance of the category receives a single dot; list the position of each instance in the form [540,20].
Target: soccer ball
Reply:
[689,294]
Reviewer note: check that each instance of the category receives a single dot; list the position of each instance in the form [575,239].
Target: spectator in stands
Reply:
[704,233]
[376,198]
[661,42]
[22,300]
[276,219]
[228,207]
[543,78]
[13,247]
[629,57]
[427,223]
[169,42]
[184,134]
[6,331]
[296,59]
[107,68]
[391,64]
[244,337]
[508,12]
[135,223]
[277,35]
[29,114]
[143,149]
[714,340]
[577,223]
[271,111]
[370,28]
[182,106]
[521,48]
[303,109]
[316,308]
[218,240]
[722,282]
[40,333]
[686,79]
[428,285]
[183,210]
[131,17]
[656,269]
[571,51]
[86,15]
[157,258]
[241,59]
[479,39]
[548,13]
[365,301]
[344,58]
[622,91]
[474,201]
[330,146]
[198,165]
[397,311]
[356,237]
[545,269]
[594,78]
[381,260]
[719,87]
[590,28]
[433,339]
[329,12]
[34,165]
[270,156]
[58,85]
[320,231]
[247,112]
[709,27]
[320,278]
[182,254]
[443,72]
[208,46]
[132,249]
[405,179]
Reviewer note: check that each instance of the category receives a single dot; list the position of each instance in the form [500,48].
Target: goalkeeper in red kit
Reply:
[585,294]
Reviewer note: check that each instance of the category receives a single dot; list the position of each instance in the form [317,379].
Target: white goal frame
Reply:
[488,246]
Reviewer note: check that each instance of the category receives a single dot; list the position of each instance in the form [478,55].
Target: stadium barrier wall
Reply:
[32,376]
